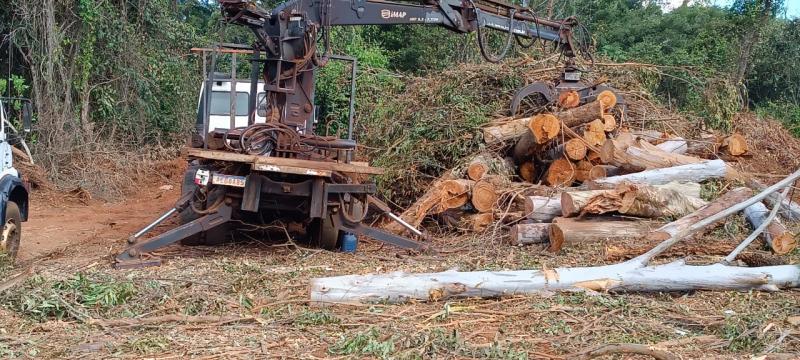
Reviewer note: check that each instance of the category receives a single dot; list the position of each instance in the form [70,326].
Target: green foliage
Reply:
[785,111]
[364,344]
[70,298]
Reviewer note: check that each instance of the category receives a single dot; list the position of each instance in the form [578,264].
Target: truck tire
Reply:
[323,234]
[218,235]
[11,232]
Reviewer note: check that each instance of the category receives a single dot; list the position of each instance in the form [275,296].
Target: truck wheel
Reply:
[323,234]
[12,231]
[215,236]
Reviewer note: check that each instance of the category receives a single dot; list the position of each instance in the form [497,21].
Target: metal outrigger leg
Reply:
[130,258]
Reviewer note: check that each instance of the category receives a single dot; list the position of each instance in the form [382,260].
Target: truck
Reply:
[13,190]
[258,161]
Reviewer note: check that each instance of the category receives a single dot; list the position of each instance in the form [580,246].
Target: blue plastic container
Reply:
[349,242]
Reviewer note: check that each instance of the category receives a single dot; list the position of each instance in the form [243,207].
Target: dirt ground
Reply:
[249,300]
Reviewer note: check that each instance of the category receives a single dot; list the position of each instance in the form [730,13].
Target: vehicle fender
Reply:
[12,188]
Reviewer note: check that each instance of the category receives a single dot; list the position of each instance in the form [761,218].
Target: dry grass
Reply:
[59,312]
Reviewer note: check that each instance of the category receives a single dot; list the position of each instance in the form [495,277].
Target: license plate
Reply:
[228,180]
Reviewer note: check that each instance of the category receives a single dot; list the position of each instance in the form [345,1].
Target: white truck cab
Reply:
[220,104]
[13,192]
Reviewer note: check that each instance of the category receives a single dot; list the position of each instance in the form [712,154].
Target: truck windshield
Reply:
[221,103]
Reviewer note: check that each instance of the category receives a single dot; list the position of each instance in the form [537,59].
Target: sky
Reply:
[792,6]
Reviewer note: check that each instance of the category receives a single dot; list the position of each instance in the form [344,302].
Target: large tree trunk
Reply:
[581,114]
[568,231]
[527,234]
[630,199]
[697,172]
[508,130]
[399,287]
[779,239]
[542,208]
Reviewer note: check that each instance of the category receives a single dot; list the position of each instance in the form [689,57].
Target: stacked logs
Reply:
[600,180]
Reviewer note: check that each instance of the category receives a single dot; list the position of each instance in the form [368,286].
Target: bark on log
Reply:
[485,164]
[542,208]
[569,231]
[415,213]
[575,149]
[527,171]
[581,114]
[723,202]
[698,172]
[399,287]
[630,199]
[560,173]
[777,237]
[735,145]
[484,196]
[527,234]
[595,133]
[508,130]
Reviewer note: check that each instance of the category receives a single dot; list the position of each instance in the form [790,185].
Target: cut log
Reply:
[480,222]
[674,145]
[607,98]
[544,128]
[527,171]
[723,202]
[609,122]
[484,164]
[484,196]
[569,99]
[582,170]
[527,234]
[575,149]
[630,199]
[594,157]
[595,133]
[415,213]
[400,287]
[581,114]
[453,194]
[524,148]
[602,171]
[478,167]
[560,173]
[699,172]
[509,130]
[735,145]
[777,237]
[570,231]
[542,208]
[789,209]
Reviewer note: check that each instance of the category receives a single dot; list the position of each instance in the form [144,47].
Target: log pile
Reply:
[585,177]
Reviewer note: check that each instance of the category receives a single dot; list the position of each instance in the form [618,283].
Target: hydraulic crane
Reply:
[274,167]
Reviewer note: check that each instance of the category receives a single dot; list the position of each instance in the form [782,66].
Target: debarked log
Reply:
[399,287]
[776,235]
[697,172]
